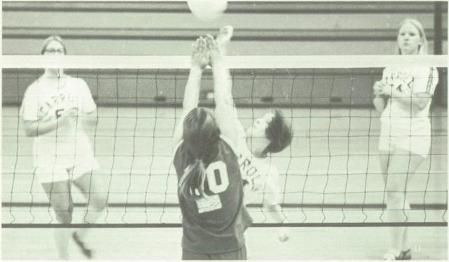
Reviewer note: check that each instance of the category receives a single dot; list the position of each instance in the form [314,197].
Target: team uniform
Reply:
[260,176]
[67,147]
[213,226]
[404,127]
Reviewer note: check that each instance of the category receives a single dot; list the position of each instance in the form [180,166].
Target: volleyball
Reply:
[207,10]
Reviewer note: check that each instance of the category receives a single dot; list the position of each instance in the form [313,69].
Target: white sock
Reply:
[405,244]
[396,233]
[62,237]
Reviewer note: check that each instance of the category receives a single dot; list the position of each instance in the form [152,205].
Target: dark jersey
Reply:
[216,223]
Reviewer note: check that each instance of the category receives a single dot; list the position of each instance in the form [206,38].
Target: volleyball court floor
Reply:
[331,161]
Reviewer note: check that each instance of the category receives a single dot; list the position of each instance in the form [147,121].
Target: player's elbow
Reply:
[379,104]
[29,129]
[421,104]
[30,132]
[91,119]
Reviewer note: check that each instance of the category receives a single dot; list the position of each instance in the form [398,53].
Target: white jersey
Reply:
[68,144]
[417,79]
[259,175]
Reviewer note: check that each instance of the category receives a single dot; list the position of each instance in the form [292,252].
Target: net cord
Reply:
[234,62]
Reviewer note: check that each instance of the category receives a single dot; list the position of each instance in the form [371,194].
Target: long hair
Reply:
[423,48]
[279,133]
[51,39]
[201,135]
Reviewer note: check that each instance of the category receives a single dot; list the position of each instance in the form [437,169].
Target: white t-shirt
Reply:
[261,176]
[417,79]
[68,144]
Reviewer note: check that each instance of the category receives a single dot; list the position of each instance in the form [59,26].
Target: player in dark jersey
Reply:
[210,188]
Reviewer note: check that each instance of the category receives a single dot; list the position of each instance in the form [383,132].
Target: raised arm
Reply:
[192,89]
[225,112]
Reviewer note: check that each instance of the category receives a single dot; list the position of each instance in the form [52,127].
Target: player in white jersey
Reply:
[56,110]
[403,97]
[268,134]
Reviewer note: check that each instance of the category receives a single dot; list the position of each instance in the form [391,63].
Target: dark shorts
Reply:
[233,255]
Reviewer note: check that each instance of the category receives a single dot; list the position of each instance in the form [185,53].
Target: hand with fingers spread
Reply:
[213,49]
[200,53]
[224,37]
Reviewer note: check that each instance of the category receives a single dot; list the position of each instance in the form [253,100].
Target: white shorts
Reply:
[416,139]
[58,173]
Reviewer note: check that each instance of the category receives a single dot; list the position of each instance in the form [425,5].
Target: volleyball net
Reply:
[329,176]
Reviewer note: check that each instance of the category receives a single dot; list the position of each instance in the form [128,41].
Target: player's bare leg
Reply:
[93,191]
[60,200]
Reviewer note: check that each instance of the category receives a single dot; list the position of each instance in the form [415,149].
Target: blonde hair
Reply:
[50,39]
[423,48]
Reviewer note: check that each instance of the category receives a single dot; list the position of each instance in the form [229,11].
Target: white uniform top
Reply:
[68,144]
[417,79]
[259,174]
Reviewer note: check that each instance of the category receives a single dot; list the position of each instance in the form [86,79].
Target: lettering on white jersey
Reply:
[56,102]
[251,173]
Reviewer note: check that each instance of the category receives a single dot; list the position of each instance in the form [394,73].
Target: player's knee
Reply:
[99,202]
[63,213]
[64,216]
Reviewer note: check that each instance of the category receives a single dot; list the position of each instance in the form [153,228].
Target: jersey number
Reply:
[217,177]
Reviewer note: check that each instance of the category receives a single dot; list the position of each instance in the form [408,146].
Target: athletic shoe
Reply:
[86,251]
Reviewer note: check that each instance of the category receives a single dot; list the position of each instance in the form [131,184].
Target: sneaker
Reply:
[403,255]
[86,251]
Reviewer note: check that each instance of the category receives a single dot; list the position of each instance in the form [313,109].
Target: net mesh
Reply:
[330,174]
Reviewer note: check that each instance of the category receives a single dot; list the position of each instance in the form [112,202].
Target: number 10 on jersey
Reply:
[217,177]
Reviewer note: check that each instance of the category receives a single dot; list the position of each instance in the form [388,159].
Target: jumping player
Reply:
[268,134]
[210,189]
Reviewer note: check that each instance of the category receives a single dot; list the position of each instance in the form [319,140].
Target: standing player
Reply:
[268,134]
[55,110]
[210,188]
[403,96]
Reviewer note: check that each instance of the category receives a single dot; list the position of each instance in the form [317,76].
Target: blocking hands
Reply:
[200,53]
[218,45]
[208,49]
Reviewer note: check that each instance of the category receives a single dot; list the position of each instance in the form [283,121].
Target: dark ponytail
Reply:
[191,184]
[201,136]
